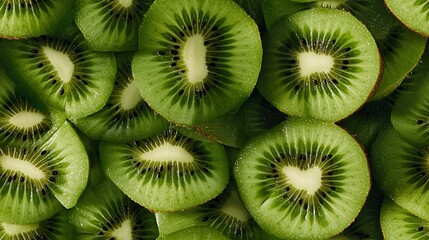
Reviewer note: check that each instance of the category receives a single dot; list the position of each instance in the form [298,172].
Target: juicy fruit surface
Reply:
[289,179]
[413,14]
[323,65]
[198,60]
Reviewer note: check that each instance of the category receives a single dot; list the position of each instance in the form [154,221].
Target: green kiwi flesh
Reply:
[197,60]
[195,233]
[125,117]
[347,69]
[22,124]
[105,212]
[399,224]
[401,171]
[32,18]
[111,25]
[167,172]
[55,227]
[304,179]
[63,74]
[37,181]
[413,14]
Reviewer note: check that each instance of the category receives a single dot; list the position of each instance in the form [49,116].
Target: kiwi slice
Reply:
[104,212]
[323,65]
[195,233]
[61,71]
[197,60]
[125,117]
[111,25]
[167,172]
[55,227]
[401,171]
[304,179]
[225,213]
[410,115]
[399,224]
[32,18]
[413,14]
[36,181]
[22,124]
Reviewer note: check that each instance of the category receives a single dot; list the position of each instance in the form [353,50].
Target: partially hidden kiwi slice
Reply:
[399,224]
[55,227]
[111,25]
[195,233]
[37,181]
[167,172]
[104,212]
[22,124]
[197,60]
[414,14]
[61,71]
[401,171]
[320,63]
[125,117]
[304,179]
[32,18]
[225,213]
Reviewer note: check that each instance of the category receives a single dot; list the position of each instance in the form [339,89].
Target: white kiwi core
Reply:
[26,119]
[130,96]
[15,229]
[194,55]
[167,153]
[124,231]
[18,165]
[126,3]
[61,62]
[309,180]
[311,63]
[235,208]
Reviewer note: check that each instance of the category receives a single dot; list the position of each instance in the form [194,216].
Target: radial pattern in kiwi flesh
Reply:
[319,63]
[197,59]
[304,179]
[167,172]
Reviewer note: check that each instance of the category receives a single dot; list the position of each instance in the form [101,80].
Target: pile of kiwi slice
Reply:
[214,119]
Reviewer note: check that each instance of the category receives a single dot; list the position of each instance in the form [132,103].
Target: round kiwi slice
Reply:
[125,117]
[167,172]
[304,179]
[61,71]
[104,212]
[55,227]
[320,63]
[401,171]
[111,25]
[22,124]
[195,233]
[414,14]
[36,181]
[32,18]
[225,213]
[398,223]
[197,59]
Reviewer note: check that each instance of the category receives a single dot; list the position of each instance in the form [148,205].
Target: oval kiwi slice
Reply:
[168,172]
[399,224]
[402,171]
[35,182]
[304,179]
[197,59]
[61,71]
[320,63]
[111,25]
[55,227]
[32,18]
[414,14]
[104,212]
